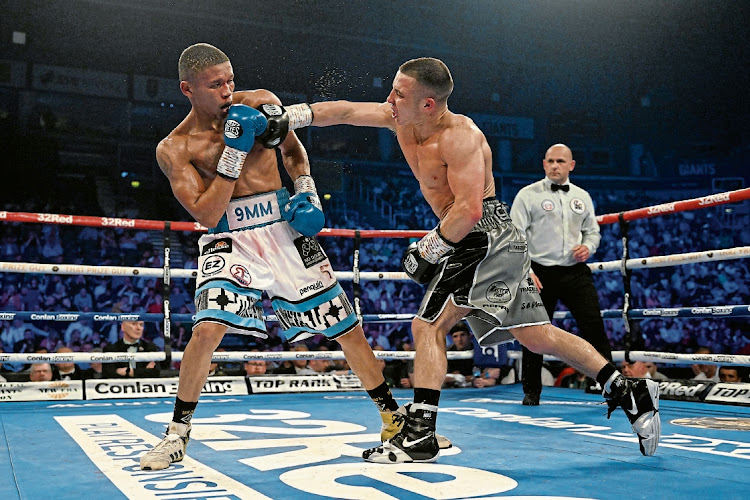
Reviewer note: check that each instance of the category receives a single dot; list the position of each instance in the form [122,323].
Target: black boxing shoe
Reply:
[639,399]
[415,443]
[530,399]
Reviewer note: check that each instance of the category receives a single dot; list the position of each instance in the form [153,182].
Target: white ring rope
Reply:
[666,357]
[735,311]
[673,260]
[158,272]
[228,356]
[219,357]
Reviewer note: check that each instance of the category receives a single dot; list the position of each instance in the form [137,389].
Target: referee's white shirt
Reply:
[555,222]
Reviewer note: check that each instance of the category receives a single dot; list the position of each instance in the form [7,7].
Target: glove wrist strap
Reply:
[300,115]
[434,246]
[304,184]
[230,163]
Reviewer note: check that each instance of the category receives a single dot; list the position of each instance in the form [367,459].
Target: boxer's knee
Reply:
[426,333]
[207,336]
[353,339]
[540,339]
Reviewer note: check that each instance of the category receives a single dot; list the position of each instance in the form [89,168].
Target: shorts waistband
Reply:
[495,215]
[249,212]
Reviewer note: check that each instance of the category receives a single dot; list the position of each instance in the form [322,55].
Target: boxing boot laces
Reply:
[415,442]
[170,450]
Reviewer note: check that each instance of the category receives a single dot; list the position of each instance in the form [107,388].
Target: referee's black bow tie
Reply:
[564,187]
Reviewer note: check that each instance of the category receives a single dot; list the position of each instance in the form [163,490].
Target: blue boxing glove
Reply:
[421,261]
[303,211]
[242,125]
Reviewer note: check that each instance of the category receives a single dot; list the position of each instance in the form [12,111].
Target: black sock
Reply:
[383,398]
[605,373]
[426,396]
[183,411]
[426,414]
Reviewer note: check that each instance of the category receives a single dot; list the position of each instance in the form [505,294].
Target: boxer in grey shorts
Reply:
[474,257]
[488,272]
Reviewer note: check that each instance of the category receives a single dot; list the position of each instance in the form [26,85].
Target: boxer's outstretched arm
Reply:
[293,153]
[205,204]
[360,114]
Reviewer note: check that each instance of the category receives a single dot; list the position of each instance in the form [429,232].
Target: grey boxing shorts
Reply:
[489,273]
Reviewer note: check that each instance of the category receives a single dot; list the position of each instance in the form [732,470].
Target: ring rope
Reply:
[219,357]
[665,357]
[165,273]
[677,206]
[228,356]
[158,272]
[154,225]
[734,311]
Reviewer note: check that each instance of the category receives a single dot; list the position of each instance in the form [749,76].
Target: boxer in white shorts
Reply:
[222,166]
[252,250]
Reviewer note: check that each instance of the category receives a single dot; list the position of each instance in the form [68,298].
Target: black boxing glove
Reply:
[281,120]
[421,260]
[278,125]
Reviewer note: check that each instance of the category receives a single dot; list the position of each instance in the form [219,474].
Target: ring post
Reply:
[356,289]
[166,289]
[627,296]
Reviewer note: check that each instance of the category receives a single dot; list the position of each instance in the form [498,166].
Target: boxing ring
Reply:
[272,437]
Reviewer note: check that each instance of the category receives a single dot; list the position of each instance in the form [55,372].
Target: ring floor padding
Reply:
[289,446]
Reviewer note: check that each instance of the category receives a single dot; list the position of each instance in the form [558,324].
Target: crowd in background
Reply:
[701,284]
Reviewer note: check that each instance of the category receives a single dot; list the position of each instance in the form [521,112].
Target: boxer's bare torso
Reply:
[426,160]
[197,144]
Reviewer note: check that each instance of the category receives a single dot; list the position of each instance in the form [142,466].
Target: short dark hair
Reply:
[432,73]
[741,371]
[198,57]
[460,327]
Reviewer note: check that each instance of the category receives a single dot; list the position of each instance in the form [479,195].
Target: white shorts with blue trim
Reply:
[253,250]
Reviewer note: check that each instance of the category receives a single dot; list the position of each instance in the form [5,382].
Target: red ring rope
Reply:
[92,221]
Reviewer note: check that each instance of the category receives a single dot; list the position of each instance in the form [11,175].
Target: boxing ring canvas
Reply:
[285,446]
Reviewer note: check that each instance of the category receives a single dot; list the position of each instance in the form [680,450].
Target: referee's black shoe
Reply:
[531,399]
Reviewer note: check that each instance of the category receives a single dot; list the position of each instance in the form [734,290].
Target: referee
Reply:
[562,233]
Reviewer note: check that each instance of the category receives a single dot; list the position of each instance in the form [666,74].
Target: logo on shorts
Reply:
[577,205]
[501,212]
[517,247]
[223,245]
[241,274]
[326,269]
[548,205]
[498,293]
[318,285]
[213,265]
[531,305]
[309,250]
[232,129]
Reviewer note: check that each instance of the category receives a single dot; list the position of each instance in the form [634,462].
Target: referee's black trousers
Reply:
[574,287]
